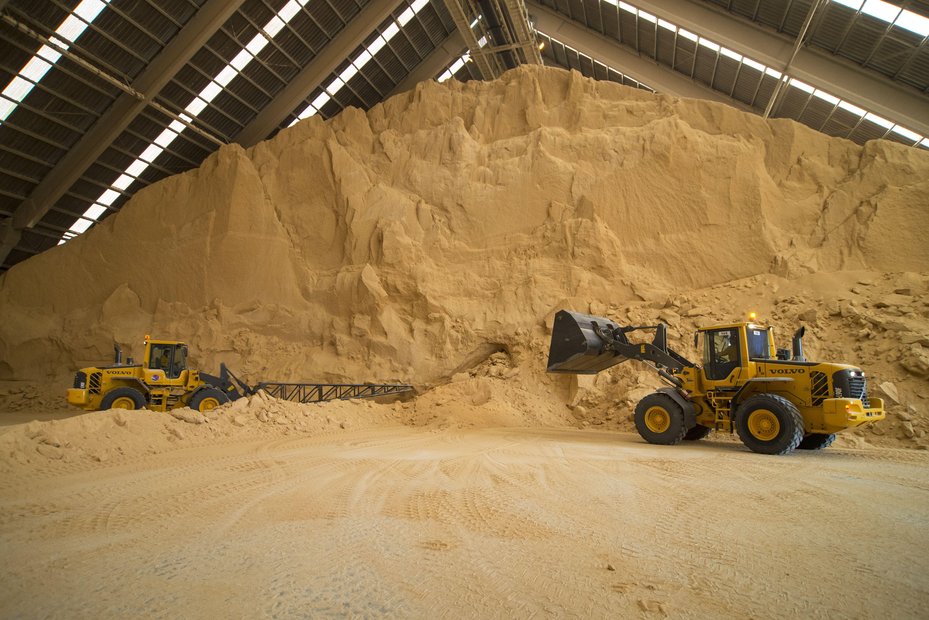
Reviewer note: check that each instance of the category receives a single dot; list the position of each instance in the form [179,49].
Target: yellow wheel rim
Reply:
[763,425]
[208,403]
[657,419]
[124,402]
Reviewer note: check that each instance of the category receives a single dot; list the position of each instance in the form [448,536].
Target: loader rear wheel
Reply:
[208,399]
[123,398]
[696,433]
[816,442]
[769,424]
[660,420]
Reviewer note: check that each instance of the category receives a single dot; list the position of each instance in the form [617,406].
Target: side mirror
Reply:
[696,339]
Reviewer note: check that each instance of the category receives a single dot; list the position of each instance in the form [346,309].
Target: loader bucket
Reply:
[576,348]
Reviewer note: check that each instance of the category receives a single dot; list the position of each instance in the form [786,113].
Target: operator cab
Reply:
[723,351]
[169,357]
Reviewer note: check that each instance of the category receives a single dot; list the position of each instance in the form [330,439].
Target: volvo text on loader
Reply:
[163,381]
[775,399]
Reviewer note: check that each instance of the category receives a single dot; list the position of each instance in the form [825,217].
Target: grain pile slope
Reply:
[447,224]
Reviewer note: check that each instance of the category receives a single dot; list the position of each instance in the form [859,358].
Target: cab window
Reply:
[757,343]
[161,355]
[180,361]
[172,359]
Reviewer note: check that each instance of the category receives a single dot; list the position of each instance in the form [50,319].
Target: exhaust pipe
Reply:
[118,354]
[798,345]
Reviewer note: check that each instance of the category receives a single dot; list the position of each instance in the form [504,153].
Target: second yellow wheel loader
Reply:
[162,381]
[775,399]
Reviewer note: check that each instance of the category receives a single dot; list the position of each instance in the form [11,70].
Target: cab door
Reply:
[722,356]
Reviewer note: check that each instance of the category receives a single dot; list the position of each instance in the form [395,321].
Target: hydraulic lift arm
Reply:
[585,344]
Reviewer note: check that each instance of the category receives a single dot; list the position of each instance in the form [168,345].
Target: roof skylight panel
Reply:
[890,13]
[192,109]
[33,71]
[362,59]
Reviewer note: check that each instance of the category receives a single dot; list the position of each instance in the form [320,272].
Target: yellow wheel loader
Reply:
[163,381]
[775,399]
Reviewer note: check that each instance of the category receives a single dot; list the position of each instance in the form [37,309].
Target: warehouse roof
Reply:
[105,97]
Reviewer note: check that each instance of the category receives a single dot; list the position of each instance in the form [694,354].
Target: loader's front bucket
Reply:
[576,348]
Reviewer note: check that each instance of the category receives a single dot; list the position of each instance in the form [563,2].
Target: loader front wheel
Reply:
[660,420]
[769,424]
[207,400]
[123,398]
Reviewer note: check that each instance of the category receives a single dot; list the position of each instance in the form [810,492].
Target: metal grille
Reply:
[850,384]
[858,389]
[94,385]
[820,387]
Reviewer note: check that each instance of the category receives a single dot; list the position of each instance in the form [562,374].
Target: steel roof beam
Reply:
[609,51]
[313,74]
[440,58]
[844,79]
[156,75]
[796,49]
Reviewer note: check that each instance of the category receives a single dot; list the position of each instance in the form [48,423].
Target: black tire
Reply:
[815,441]
[207,399]
[660,420]
[769,424]
[697,433]
[123,398]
